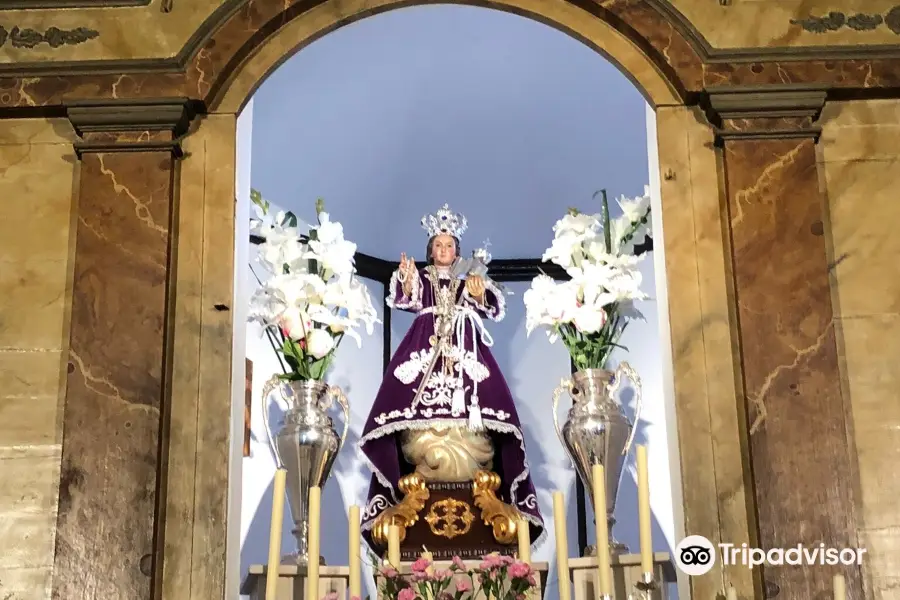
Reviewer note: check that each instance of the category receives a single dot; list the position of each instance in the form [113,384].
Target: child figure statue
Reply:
[444,412]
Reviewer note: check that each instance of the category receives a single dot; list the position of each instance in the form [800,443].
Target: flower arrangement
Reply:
[312,298]
[496,578]
[591,310]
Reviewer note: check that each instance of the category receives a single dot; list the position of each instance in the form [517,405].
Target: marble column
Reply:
[114,417]
[796,429]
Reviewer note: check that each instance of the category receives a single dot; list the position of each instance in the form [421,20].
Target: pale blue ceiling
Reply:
[507,119]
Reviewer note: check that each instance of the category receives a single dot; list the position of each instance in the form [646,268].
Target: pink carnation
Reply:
[463,585]
[406,594]
[491,561]
[458,563]
[531,580]
[330,596]
[421,565]
[355,598]
[519,570]
[441,574]
[389,572]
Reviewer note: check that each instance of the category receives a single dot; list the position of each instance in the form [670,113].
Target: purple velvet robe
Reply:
[392,412]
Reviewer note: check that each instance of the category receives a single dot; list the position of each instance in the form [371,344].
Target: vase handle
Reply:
[272,385]
[625,370]
[338,394]
[564,386]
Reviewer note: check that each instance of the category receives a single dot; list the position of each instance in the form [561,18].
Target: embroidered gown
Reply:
[465,391]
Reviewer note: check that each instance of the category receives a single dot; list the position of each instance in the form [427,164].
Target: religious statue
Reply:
[444,418]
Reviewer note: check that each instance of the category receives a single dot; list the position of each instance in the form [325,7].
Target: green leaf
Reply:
[290,219]
[607,233]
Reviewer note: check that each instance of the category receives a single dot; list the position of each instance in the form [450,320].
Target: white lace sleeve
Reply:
[494,307]
[397,300]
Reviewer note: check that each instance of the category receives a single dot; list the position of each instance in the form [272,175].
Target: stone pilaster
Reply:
[114,418]
[796,431]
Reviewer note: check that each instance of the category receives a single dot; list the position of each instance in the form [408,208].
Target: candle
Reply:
[430,558]
[312,569]
[275,533]
[732,594]
[840,588]
[524,541]
[644,510]
[355,577]
[562,545]
[394,546]
[598,484]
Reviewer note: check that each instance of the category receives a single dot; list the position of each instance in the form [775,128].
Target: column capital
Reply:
[152,125]
[764,113]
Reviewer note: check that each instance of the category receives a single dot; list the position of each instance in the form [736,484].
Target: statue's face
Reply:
[443,250]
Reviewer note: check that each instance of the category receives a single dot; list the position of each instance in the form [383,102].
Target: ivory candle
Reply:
[643,478]
[313,543]
[394,546]
[275,533]
[562,546]
[732,594]
[840,587]
[355,545]
[524,541]
[598,484]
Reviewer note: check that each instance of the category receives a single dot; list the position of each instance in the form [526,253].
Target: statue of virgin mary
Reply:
[444,412]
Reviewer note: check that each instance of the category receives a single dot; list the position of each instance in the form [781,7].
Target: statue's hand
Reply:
[407,272]
[475,287]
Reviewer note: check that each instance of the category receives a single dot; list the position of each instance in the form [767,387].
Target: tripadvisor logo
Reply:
[696,555]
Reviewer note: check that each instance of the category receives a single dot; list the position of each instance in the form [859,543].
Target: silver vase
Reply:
[598,432]
[306,445]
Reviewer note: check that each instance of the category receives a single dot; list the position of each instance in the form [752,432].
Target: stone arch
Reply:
[248,66]
[242,49]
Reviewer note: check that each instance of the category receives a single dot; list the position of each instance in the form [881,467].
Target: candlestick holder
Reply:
[644,587]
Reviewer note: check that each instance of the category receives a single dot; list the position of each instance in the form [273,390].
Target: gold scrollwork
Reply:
[449,518]
[502,518]
[405,513]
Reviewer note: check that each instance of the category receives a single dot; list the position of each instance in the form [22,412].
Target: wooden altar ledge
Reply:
[626,570]
[292,582]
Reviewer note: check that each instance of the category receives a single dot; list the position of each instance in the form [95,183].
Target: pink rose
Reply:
[463,585]
[519,570]
[421,565]
[389,572]
[406,594]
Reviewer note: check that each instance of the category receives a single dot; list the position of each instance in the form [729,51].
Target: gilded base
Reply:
[405,513]
[502,518]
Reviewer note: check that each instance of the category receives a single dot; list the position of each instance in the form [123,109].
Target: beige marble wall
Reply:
[767,23]
[861,168]
[37,169]
[706,365]
[146,32]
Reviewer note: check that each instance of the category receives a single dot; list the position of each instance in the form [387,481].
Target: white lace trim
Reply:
[414,302]
[446,423]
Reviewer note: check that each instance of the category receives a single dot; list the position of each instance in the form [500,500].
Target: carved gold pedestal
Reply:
[406,513]
[464,519]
